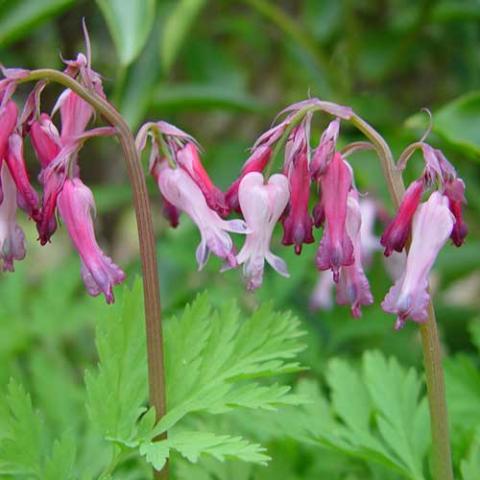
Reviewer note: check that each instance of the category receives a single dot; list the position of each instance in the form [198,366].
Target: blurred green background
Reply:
[221,70]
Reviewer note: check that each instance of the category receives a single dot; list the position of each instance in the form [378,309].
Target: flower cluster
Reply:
[313,191]
[63,191]
[345,215]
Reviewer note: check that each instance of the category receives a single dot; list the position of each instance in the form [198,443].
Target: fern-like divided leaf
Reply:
[376,414]
[23,452]
[212,358]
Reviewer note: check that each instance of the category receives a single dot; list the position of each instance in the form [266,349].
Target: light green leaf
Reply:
[463,391]
[470,466]
[18,17]
[210,355]
[176,28]
[117,389]
[191,96]
[193,444]
[61,463]
[20,438]
[402,420]
[129,23]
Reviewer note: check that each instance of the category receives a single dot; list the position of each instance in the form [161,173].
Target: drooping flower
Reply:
[336,249]
[322,294]
[397,232]
[45,139]
[189,159]
[370,242]
[432,225]
[455,192]
[261,205]
[182,192]
[12,239]
[8,121]
[325,151]
[353,287]
[26,195]
[257,161]
[298,224]
[76,206]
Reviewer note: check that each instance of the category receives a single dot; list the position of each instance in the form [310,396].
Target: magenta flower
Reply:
[76,206]
[321,297]
[257,161]
[336,249]
[325,151]
[396,234]
[45,139]
[12,239]
[27,196]
[432,225]
[353,287]
[188,159]
[298,224]
[261,205]
[75,113]
[182,192]
[455,192]
[8,121]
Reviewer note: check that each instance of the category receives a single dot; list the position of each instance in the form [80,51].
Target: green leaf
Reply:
[402,420]
[20,438]
[193,444]
[18,17]
[382,417]
[470,466]
[210,355]
[117,389]
[176,28]
[61,463]
[463,391]
[129,24]
[201,96]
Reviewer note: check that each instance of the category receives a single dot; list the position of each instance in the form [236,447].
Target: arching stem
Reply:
[146,238]
[432,357]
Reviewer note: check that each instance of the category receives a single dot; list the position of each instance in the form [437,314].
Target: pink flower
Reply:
[75,114]
[45,139]
[261,204]
[353,287]
[298,224]
[12,239]
[396,234]
[8,121]
[432,225]
[370,242]
[181,191]
[336,249]
[76,205]
[325,151]
[455,192]
[188,159]
[27,197]
[321,297]
[257,161]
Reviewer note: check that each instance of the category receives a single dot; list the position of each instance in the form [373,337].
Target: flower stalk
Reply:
[151,284]
[432,356]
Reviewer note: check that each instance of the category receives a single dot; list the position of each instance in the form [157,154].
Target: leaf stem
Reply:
[432,356]
[146,238]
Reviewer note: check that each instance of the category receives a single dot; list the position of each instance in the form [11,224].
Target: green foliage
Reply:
[129,24]
[211,357]
[176,27]
[118,388]
[17,17]
[382,416]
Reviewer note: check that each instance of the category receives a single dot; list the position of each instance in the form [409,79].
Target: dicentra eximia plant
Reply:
[429,211]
